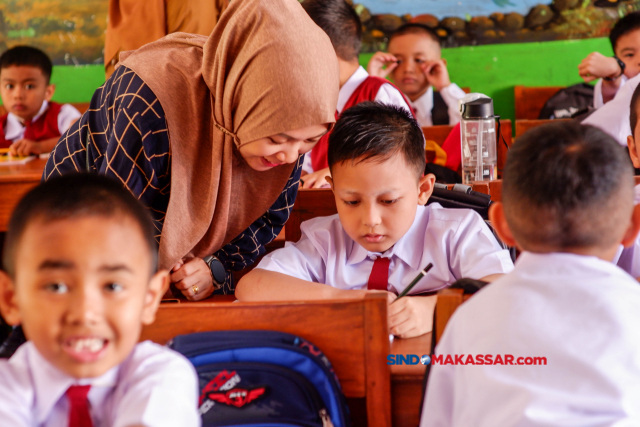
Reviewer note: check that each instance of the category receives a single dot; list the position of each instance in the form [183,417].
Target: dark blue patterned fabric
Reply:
[126,132]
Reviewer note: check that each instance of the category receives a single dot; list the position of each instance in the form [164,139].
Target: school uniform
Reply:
[613,117]
[359,88]
[456,241]
[578,312]
[154,386]
[598,100]
[628,259]
[438,108]
[52,120]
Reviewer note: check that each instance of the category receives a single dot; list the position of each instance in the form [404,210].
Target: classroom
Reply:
[319,213]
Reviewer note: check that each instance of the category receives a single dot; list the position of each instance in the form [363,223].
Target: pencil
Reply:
[414,282]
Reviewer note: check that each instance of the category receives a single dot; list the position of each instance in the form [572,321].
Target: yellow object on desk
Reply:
[6,159]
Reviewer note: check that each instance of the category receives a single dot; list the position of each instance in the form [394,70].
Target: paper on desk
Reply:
[8,160]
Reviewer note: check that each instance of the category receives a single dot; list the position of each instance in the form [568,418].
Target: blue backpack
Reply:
[263,378]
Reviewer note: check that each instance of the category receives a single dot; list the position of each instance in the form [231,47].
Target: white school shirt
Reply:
[628,259]
[613,117]
[423,105]
[598,100]
[14,130]
[387,94]
[456,241]
[579,312]
[154,386]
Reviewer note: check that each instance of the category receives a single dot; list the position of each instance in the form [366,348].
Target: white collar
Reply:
[15,124]
[405,248]
[51,384]
[350,86]
[424,104]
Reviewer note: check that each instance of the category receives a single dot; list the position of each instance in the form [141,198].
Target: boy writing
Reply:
[382,235]
[33,123]
[414,60]
[342,24]
[80,261]
[558,338]
[615,71]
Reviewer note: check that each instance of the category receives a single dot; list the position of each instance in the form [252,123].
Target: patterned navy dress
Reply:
[126,134]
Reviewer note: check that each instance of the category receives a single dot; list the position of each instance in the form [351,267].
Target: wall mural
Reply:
[72,31]
[473,22]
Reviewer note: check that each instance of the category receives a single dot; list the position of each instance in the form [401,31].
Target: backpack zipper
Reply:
[326,419]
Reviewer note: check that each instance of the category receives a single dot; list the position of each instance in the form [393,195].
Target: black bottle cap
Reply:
[481,108]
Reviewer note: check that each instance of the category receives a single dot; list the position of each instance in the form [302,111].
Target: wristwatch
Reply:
[622,66]
[218,273]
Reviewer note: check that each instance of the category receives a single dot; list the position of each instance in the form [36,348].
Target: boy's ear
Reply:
[499,224]
[157,287]
[634,227]
[633,152]
[51,89]
[8,305]
[330,181]
[425,188]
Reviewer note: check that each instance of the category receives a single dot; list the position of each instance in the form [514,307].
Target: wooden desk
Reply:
[15,181]
[406,381]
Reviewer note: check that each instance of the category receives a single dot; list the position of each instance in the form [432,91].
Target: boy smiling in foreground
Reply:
[81,258]
[383,235]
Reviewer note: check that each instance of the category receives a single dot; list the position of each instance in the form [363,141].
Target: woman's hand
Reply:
[316,179]
[193,278]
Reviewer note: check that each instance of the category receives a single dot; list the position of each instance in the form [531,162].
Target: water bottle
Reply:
[478,139]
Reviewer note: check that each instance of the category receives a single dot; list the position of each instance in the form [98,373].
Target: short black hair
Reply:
[341,23]
[371,130]
[27,56]
[76,195]
[567,186]
[633,110]
[416,28]
[624,26]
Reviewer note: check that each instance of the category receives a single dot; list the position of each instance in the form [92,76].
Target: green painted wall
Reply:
[490,69]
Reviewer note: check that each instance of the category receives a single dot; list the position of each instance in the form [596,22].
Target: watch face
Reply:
[217,271]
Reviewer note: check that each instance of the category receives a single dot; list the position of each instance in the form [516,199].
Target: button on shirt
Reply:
[456,241]
[423,105]
[154,386]
[15,129]
[580,313]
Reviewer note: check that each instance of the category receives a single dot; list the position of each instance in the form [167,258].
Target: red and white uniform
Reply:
[359,88]
[51,121]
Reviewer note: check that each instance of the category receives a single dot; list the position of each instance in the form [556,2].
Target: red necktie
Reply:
[79,406]
[379,278]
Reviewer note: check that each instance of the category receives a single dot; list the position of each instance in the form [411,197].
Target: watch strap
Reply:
[622,66]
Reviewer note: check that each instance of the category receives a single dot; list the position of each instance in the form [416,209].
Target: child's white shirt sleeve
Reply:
[387,94]
[68,114]
[451,94]
[301,260]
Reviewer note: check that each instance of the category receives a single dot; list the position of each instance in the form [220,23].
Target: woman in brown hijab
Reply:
[209,132]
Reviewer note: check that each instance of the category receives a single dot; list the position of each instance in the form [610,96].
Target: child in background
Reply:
[382,236]
[342,24]
[615,71]
[415,63]
[566,318]
[80,261]
[629,259]
[33,123]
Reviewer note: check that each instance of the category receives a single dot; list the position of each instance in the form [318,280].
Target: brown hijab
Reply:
[265,69]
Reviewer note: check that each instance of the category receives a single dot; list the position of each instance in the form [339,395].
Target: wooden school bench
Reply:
[524,125]
[530,100]
[352,333]
[15,181]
